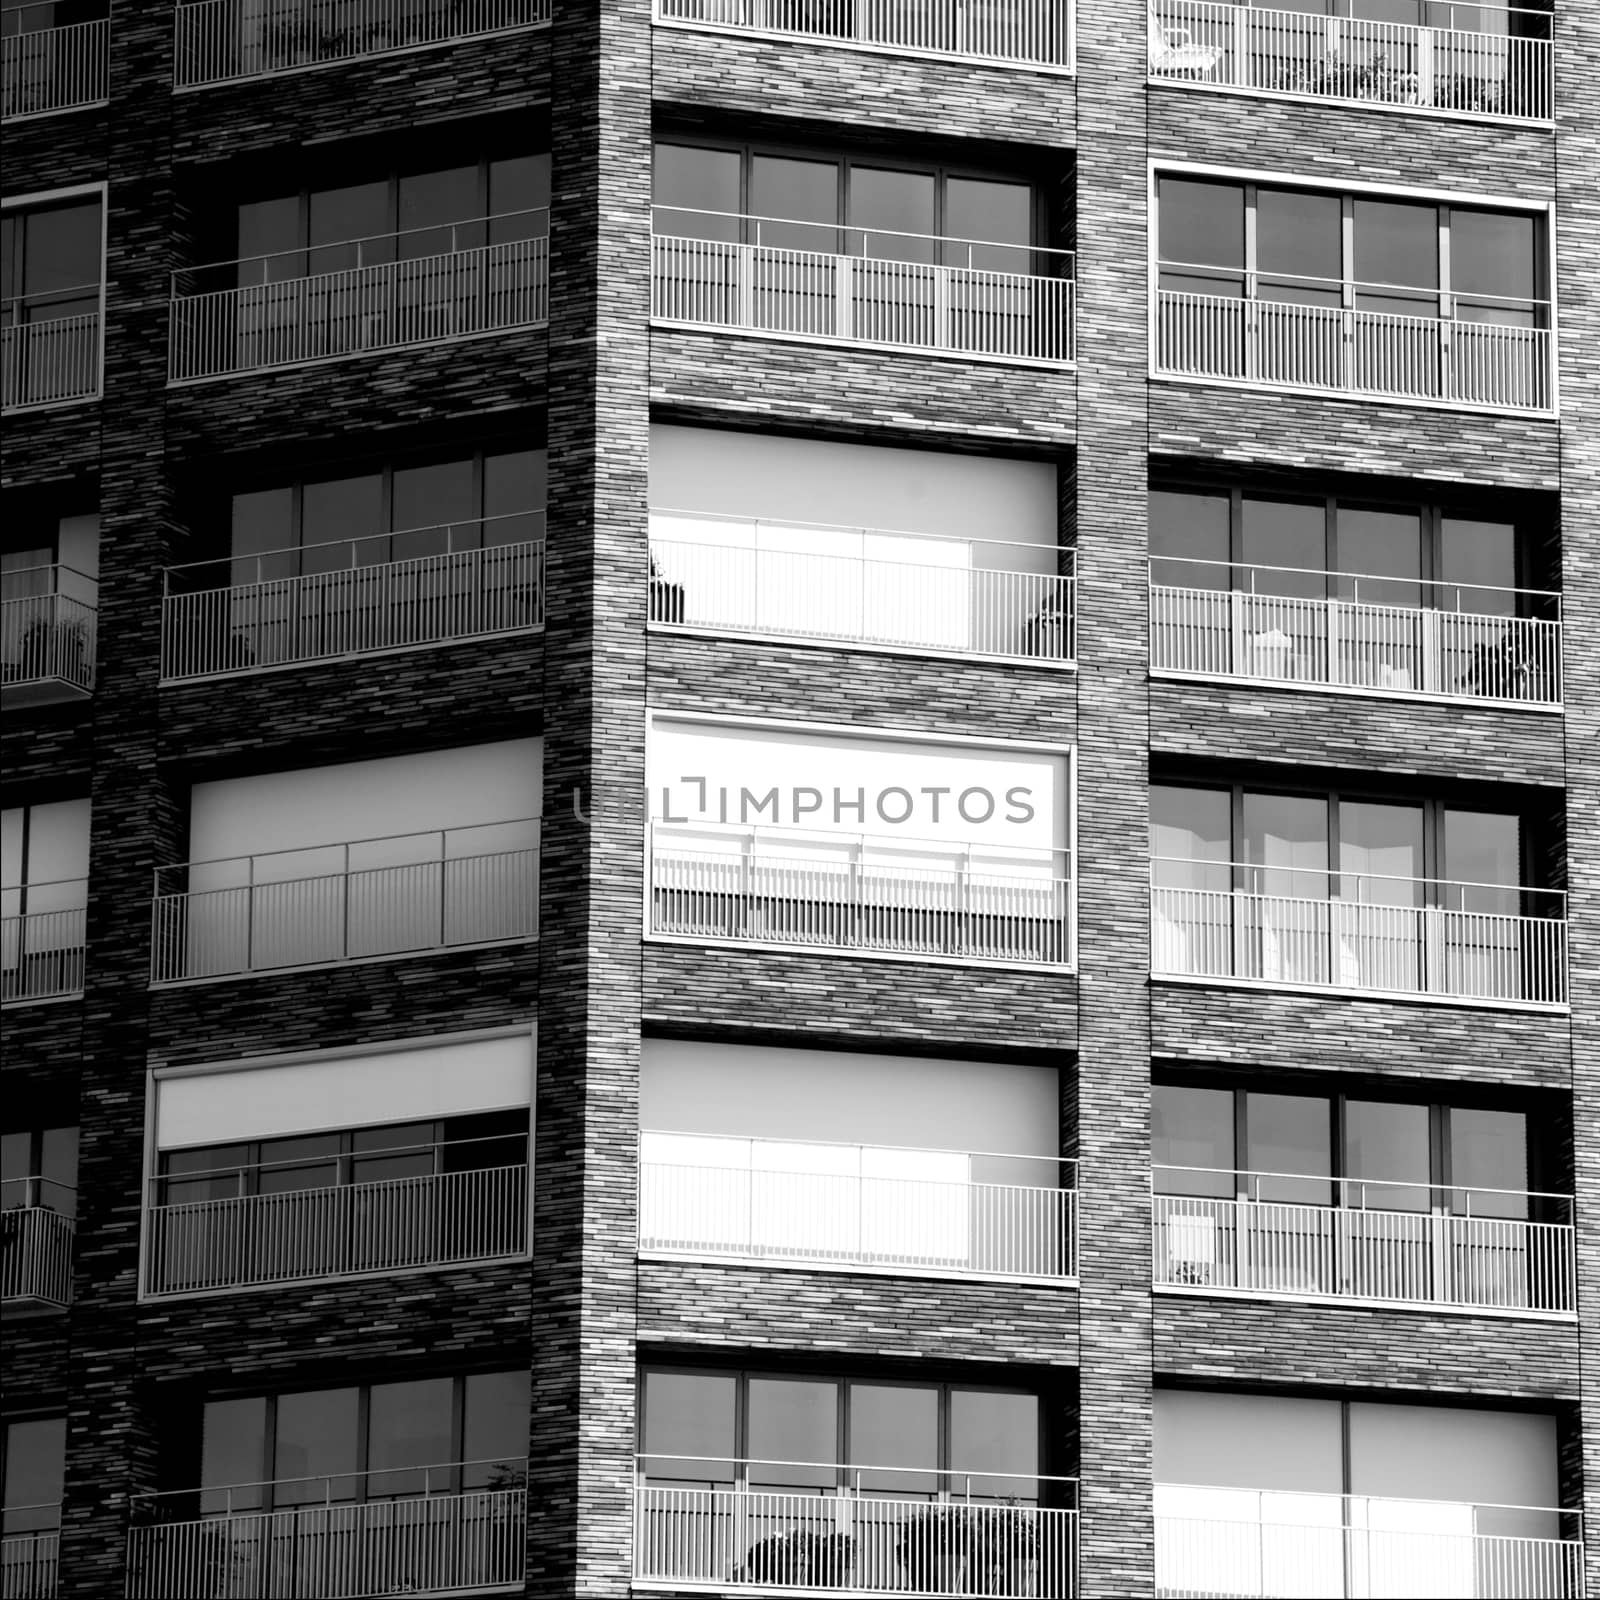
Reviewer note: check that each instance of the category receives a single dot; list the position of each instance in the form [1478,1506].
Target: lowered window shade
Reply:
[401,1085]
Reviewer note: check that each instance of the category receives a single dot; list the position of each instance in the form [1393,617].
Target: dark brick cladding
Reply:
[587,1310]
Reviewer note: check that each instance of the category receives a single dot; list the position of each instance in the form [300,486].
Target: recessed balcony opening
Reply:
[1405,1201]
[281,876]
[908,254]
[223,41]
[282,1173]
[53,256]
[49,600]
[413,1486]
[764,1480]
[888,846]
[38,1212]
[1261,1495]
[1364,593]
[1269,285]
[1021,33]
[54,56]
[30,1544]
[1385,896]
[395,558]
[1490,61]
[44,895]
[911,551]
[841,1162]
[441,245]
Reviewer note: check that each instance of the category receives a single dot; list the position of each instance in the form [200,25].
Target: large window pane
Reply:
[1188,829]
[513,489]
[1493,266]
[1201,225]
[1287,1135]
[409,1426]
[801,195]
[61,251]
[1396,250]
[352,225]
[35,1457]
[1001,213]
[994,1443]
[16,1162]
[495,1428]
[429,202]
[793,1421]
[1483,855]
[233,1446]
[894,211]
[1189,538]
[690,1426]
[433,510]
[895,1425]
[1387,1155]
[303,1163]
[1489,1162]
[1285,843]
[1386,545]
[263,520]
[1478,563]
[270,238]
[697,192]
[1192,1140]
[1299,246]
[1380,852]
[1286,543]
[341,509]
[316,1446]
[58,1169]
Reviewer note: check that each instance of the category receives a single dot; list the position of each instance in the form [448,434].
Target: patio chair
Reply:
[1172,51]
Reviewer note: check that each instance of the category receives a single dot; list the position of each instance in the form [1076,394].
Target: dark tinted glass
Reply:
[1189,538]
[1201,223]
[435,505]
[791,1422]
[994,1443]
[1286,541]
[689,1426]
[513,489]
[1381,545]
[1492,255]
[233,1443]
[1387,1155]
[1299,246]
[1396,248]
[1489,1162]
[338,510]
[1289,1134]
[317,1446]
[494,1428]
[1478,559]
[409,1426]
[697,192]
[797,194]
[895,1425]
[1191,833]
[1192,1140]
[895,211]
[35,1453]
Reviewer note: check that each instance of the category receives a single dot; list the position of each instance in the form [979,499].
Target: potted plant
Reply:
[971,1549]
[55,649]
[666,597]
[801,1558]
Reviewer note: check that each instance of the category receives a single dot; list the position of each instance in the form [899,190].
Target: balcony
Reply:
[54,69]
[837,285]
[907,1212]
[48,361]
[253,1229]
[1486,61]
[1214,1541]
[407,1530]
[29,1560]
[861,586]
[1010,33]
[837,891]
[1281,1234]
[1362,635]
[47,635]
[326,905]
[861,1530]
[223,41]
[36,1246]
[1484,354]
[393,292]
[42,935]
[1358,933]
[287,608]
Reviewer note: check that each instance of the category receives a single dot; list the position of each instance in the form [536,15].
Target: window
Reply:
[39,1167]
[380,1441]
[51,268]
[402,216]
[44,870]
[485,500]
[811,1435]
[35,1456]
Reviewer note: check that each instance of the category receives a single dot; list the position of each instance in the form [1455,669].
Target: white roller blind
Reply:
[1248,1441]
[1450,1453]
[403,1085]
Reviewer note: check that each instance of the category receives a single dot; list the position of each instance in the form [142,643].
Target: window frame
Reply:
[9,1421]
[34,1177]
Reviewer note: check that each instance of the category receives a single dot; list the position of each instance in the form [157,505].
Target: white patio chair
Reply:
[1172,50]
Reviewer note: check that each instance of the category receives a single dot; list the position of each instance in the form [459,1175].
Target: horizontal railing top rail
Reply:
[844,233]
[441,834]
[1066,1164]
[32,884]
[1346,1187]
[219,572]
[1432,588]
[57,570]
[342,1160]
[66,294]
[782,837]
[1336,875]
[1064,555]
[34,1187]
[147,1506]
[363,245]
[849,1472]
[1254,279]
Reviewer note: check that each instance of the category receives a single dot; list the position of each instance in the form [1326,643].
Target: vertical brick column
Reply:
[1577,64]
[591,891]
[1113,807]
[111,1440]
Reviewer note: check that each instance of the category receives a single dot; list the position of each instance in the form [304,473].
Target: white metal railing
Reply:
[862,286]
[1477,58]
[967,596]
[36,1256]
[220,41]
[48,636]
[1032,33]
[862,1529]
[30,1560]
[1342,349]
[405,1530]
[240,615]
[1440,1244]
[377,303]
[54,69]
[346,902]
[900,1209]
[42,946]
[1261,1543]
[1220,619]
[860,891]
[1357,931]
[44,361]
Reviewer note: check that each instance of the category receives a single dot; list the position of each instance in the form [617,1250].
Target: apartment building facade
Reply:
[801,795]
